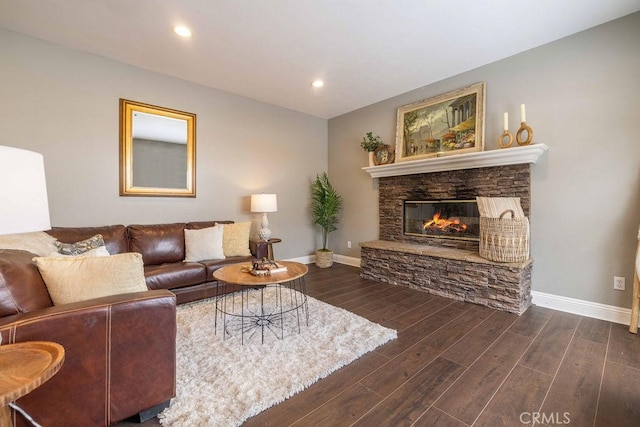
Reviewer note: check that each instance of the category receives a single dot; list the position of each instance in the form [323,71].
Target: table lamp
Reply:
[23,192]
[264,203]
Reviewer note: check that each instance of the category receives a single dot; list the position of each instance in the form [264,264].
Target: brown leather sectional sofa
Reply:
[163,251]
[120,351]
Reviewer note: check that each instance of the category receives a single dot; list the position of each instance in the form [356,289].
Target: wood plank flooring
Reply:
[459,364]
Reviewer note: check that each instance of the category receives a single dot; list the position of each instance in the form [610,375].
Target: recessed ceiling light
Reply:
[317,83]
[182,31]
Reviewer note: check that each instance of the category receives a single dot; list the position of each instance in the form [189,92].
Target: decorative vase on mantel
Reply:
[371,157]
[369,143]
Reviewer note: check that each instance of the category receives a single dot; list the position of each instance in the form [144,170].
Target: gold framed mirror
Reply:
[157,151]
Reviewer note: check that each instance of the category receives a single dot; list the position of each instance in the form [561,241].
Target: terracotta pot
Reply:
[324,258]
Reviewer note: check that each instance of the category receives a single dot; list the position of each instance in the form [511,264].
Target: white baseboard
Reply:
[347,260]
[340,259]
[310,259]
[584,308]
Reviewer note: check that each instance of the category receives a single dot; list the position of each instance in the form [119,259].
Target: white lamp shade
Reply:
[23,192]
[264,203]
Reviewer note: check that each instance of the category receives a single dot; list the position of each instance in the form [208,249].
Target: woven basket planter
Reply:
[504,239]
[324,259]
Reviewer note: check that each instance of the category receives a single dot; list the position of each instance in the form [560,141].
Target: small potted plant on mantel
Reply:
[326,205]
[370,143]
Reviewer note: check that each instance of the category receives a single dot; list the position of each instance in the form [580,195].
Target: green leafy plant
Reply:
[326,205]
[370,142]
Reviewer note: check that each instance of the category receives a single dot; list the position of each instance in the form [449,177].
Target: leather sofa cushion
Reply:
[158,243]
[115,236]
[21,287]
[202,291]
[213,265]
[174,275]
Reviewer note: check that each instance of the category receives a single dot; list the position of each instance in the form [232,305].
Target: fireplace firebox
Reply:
[450,219]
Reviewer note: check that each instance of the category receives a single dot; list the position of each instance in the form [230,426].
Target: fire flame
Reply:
[445,224]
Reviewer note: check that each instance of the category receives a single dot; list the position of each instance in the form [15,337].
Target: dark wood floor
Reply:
[459,364]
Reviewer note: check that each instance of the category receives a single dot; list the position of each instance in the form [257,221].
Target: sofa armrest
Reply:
[119,357]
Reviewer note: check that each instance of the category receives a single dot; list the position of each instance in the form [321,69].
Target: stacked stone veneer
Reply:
[454,273]
[448,267]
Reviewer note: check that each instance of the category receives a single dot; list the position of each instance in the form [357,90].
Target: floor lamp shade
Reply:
[24,205]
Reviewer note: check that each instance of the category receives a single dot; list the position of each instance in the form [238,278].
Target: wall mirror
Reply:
[157,151]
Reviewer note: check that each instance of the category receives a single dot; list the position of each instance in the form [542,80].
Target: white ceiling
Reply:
[271,50]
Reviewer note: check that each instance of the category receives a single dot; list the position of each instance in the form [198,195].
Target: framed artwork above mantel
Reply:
[447,124]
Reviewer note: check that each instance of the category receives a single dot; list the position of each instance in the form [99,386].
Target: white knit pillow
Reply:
[203,244]
[72,279]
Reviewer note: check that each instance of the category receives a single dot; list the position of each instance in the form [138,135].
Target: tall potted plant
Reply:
[326,205]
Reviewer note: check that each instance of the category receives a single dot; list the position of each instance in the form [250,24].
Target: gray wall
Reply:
[583,100]
[63,103]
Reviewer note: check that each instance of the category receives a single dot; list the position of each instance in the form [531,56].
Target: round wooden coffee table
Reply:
[25,366]
[260,303]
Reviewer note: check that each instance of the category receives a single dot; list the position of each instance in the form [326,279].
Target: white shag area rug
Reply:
[223,383]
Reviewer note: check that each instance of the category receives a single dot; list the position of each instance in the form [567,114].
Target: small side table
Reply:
[258,247]
[25,366]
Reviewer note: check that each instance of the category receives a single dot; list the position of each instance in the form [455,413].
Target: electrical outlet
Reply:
[618,283]
[349,244]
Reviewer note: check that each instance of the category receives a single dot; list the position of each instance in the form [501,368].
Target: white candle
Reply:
[506,121]
[523,116]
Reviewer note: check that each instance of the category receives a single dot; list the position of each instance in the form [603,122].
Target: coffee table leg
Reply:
[305,303]
[215,318]
[242,315]
[279,296]
[297,304]
[262,321]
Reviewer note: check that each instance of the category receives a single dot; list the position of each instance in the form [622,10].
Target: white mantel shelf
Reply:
[482,159]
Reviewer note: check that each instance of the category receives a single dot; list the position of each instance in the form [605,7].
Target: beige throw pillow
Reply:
[72,279]
[39,243]
[235,239]
[203,244]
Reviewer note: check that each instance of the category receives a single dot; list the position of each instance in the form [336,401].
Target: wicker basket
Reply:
[504,239]
[324,259]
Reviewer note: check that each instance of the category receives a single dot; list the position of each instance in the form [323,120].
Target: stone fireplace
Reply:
[445,261]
